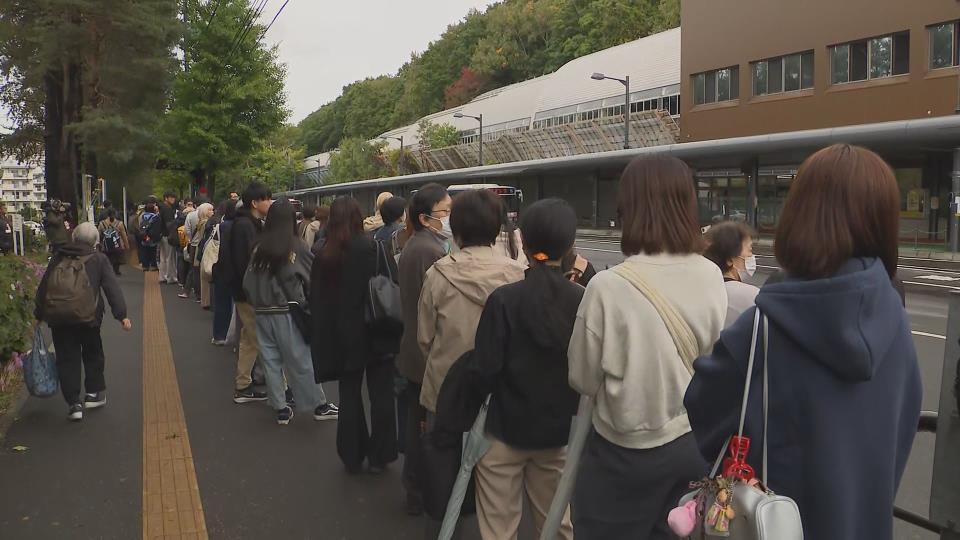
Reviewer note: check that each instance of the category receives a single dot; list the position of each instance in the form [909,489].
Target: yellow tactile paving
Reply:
[171,496]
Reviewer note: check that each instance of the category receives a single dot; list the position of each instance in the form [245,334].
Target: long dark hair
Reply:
[549,229]
[346,221]
[275,242]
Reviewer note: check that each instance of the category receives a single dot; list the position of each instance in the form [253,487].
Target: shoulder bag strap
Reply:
[683,336]
[746,394]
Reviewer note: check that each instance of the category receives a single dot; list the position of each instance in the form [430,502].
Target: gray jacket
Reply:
[422,250]
[270,294]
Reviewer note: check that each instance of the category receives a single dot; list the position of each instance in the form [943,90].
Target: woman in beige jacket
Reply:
[456,288]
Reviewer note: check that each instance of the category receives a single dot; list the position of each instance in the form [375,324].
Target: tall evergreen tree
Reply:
[85,82]
[228,98]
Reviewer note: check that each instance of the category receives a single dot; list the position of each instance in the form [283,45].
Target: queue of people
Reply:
[514,320]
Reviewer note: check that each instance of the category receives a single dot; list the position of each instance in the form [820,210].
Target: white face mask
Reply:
[750,265]
[445,229]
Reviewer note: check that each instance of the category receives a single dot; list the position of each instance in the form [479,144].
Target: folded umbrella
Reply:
[578,437]
[475,445]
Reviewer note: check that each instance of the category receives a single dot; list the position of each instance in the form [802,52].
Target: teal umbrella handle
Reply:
[561,499]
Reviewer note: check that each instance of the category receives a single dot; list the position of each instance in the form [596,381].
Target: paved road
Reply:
[256,479]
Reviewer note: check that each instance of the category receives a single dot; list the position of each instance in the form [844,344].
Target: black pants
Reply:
[624,493]
[76,345]
[354,442]
[412,451]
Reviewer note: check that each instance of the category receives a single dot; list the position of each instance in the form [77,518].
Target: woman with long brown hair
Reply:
[638,330]
[843,383]
[343,344]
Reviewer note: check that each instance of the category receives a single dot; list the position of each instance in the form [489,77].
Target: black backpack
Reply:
[148,233]
[172,237]
[111,240]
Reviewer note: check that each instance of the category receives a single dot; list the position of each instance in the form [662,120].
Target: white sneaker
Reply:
[94,401]
[76,413]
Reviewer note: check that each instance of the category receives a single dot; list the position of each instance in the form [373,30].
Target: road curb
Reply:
[10,416]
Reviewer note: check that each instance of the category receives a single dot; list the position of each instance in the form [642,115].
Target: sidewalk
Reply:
[255,479]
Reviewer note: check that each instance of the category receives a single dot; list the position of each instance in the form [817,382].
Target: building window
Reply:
[783,74]
[874,58]
[943,45]
[717,85]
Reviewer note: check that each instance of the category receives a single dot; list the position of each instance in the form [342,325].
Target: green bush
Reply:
[19,278]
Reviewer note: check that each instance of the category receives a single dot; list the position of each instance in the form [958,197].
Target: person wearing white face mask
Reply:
[731,248]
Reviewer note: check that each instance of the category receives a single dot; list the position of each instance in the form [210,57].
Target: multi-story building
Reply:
[22,185]
[809,65]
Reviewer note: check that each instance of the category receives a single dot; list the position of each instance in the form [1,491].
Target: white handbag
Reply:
[753,512]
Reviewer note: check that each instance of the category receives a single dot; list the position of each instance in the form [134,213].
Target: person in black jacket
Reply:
[79,344]
[168,253]
[520,354]
[343,345]
[249,221]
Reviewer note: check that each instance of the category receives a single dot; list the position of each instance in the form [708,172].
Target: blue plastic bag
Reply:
[40,368]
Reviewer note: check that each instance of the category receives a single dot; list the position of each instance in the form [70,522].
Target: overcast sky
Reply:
[328,44]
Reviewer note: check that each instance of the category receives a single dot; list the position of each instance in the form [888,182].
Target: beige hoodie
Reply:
[455,290]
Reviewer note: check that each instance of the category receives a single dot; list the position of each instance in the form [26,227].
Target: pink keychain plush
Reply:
[683,519]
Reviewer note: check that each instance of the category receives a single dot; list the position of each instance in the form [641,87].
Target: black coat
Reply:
[167,217]
[520,355]
[341,340]
[239,247]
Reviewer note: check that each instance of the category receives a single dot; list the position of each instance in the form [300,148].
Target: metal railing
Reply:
[931,238]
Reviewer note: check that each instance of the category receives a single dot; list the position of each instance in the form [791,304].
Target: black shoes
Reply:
[94,401]
[248,395]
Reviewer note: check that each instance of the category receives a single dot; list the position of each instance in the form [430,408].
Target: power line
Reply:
[267,29]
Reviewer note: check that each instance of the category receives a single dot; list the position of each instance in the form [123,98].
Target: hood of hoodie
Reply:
[478,271]
[74,249]
[847,322]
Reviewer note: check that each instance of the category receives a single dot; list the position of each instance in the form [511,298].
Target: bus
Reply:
[510,195]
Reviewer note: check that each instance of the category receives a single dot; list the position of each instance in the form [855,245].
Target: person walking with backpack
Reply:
[151,233]
[113,239]
[69,300]
[277,278]
[639,329]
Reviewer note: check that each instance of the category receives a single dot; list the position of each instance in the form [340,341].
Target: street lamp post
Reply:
[626,104]
[478,119]
[399,159]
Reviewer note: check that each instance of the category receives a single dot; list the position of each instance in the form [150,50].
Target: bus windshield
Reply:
[511,196]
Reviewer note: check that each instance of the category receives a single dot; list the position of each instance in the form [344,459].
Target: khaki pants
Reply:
[248,345]
[502,476]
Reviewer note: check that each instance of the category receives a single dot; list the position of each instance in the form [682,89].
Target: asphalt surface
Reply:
[81,480]
[257,479]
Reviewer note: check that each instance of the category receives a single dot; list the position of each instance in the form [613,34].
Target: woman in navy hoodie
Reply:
[844,394]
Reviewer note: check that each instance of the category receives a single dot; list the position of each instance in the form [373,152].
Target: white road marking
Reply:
[927,334]
[932,285]
[932,277]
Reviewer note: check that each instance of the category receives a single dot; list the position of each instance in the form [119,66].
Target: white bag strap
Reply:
[683,336]
[746,393]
